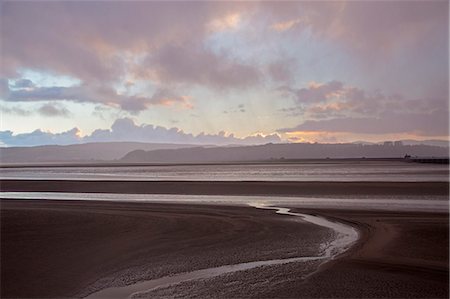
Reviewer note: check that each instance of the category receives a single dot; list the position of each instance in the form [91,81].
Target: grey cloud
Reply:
[39,137]
[85,39]
[239,108]
[4,87]
[15,110]
[96,94]
[53,110]
[388,24]
[126,130]
[74,93]
[281,71]
[23,83]
[196,65]
[335,107]
[292,111]
[335,99]
[48,109]
[313,93]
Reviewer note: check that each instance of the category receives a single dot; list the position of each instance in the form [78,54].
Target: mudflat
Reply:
[399,255]
[74,248]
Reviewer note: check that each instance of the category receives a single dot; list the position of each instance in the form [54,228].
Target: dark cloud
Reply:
[239,108]
[96,94]
[48,109]
[75,93]
[53,110]
[126,130]
[15,110]
[23,83]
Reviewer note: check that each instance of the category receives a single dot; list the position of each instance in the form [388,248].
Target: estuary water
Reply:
[306,171]
[393,203]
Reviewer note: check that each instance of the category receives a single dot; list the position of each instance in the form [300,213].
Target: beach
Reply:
[76,248]
[65,249]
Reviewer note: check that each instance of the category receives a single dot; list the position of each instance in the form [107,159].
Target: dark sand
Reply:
[65,249]
[400,255]
[73,248]
[231,187]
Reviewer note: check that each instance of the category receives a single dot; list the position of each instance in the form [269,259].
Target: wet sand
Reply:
[66,249]
[74,248]
[231,187]
[399,255]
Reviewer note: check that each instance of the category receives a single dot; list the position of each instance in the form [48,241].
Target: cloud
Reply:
[15,110]
[173,50]
[4,88]
[281,70]
[126,129]
[337,107]
[230,21]
[39,137]
[315,92]
[424,124]
[239,108]
[52,110]
[284,26]
[194,64]
[334,98]
[98,42]
[23,83]
[368,27]
[169,98]
[48,109]
[94,94]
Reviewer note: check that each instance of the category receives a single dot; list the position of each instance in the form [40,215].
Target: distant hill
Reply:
[282,151]
[88,152]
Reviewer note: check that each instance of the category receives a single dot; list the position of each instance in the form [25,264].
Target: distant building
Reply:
[398,143]
[388,143]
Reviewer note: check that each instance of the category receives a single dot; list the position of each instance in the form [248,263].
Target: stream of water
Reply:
[345,237]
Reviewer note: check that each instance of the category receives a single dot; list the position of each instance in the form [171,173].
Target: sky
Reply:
[223,72]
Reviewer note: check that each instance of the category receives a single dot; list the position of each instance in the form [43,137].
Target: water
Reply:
[323,171]
[345,237]
[145,286]
[397,203]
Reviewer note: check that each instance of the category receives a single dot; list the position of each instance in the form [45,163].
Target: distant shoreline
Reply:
[256,188]
[255,162]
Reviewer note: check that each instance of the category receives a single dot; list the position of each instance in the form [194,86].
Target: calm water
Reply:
[393,203]
[351,171]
